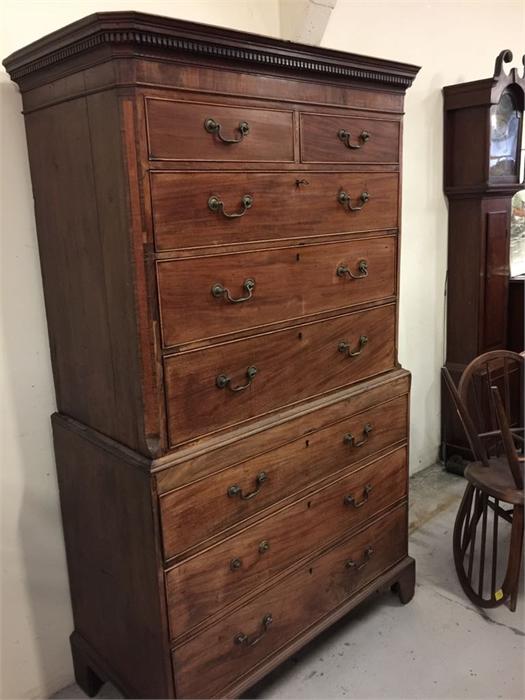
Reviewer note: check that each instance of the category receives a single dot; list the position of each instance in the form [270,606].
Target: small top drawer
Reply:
[344,139]
[196,131]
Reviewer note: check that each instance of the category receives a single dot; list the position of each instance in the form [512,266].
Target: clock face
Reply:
[505,127]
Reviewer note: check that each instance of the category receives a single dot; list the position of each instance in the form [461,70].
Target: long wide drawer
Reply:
[194,210]
[194,513]
[201,585]
[224,385]
[348,139]
[215,295]
[204,131]
[227,650]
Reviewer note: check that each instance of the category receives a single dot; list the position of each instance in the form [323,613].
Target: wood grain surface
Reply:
[281,209]
[289,283]
[289,469]
[291,365]
[207,663]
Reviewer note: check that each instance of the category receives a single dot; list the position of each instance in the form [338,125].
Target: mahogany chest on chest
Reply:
[218,219]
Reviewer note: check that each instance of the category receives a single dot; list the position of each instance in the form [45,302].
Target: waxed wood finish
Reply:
[204,665]
[176,131]
[366,140]
[497,272]
[292,365]
[192,462]
[289,469]
[461,171]
[147,138]
[117,604]
[281,209]
[289,283]
[87,329]
[200,585]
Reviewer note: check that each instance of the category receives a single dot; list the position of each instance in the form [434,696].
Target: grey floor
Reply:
[438,646]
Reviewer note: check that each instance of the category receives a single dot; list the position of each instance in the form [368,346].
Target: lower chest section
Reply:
[264,540]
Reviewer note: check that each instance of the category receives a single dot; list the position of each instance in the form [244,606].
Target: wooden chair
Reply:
[495,478]
[504,369]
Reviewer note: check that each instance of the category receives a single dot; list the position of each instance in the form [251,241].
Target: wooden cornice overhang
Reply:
[108,34]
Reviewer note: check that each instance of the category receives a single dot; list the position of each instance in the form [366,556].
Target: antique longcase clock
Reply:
[482,146]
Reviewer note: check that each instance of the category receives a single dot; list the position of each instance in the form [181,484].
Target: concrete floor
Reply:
[438,646]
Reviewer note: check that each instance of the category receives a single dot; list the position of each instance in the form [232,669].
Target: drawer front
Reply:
[196,512]
[343,139]
[225,651]
[203,584]
[193,210]
[224,385]
[203,297]
[195,131]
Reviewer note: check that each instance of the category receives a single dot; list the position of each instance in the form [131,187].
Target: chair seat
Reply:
[495,480]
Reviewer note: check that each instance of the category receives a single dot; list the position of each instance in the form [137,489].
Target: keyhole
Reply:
[309,504]
[298,257]
[300,335]
[307,443]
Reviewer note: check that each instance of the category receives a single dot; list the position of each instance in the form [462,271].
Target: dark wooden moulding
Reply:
[113,106]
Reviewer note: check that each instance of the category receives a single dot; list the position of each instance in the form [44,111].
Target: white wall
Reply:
[304,21]
[454,41]
[36,616]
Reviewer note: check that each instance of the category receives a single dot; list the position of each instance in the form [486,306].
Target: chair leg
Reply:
[472,510]
[462,529]
[512,577]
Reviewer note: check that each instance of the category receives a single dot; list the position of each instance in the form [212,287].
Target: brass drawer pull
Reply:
[236,563]
[215,204]
[236,490]
[246,641]
[213,127]
[344,271]
[367,555]
[264,546]
[223,380]
[344,347]
[349,439]
[345,199]
[350,500]
[345,137]
[218,290]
